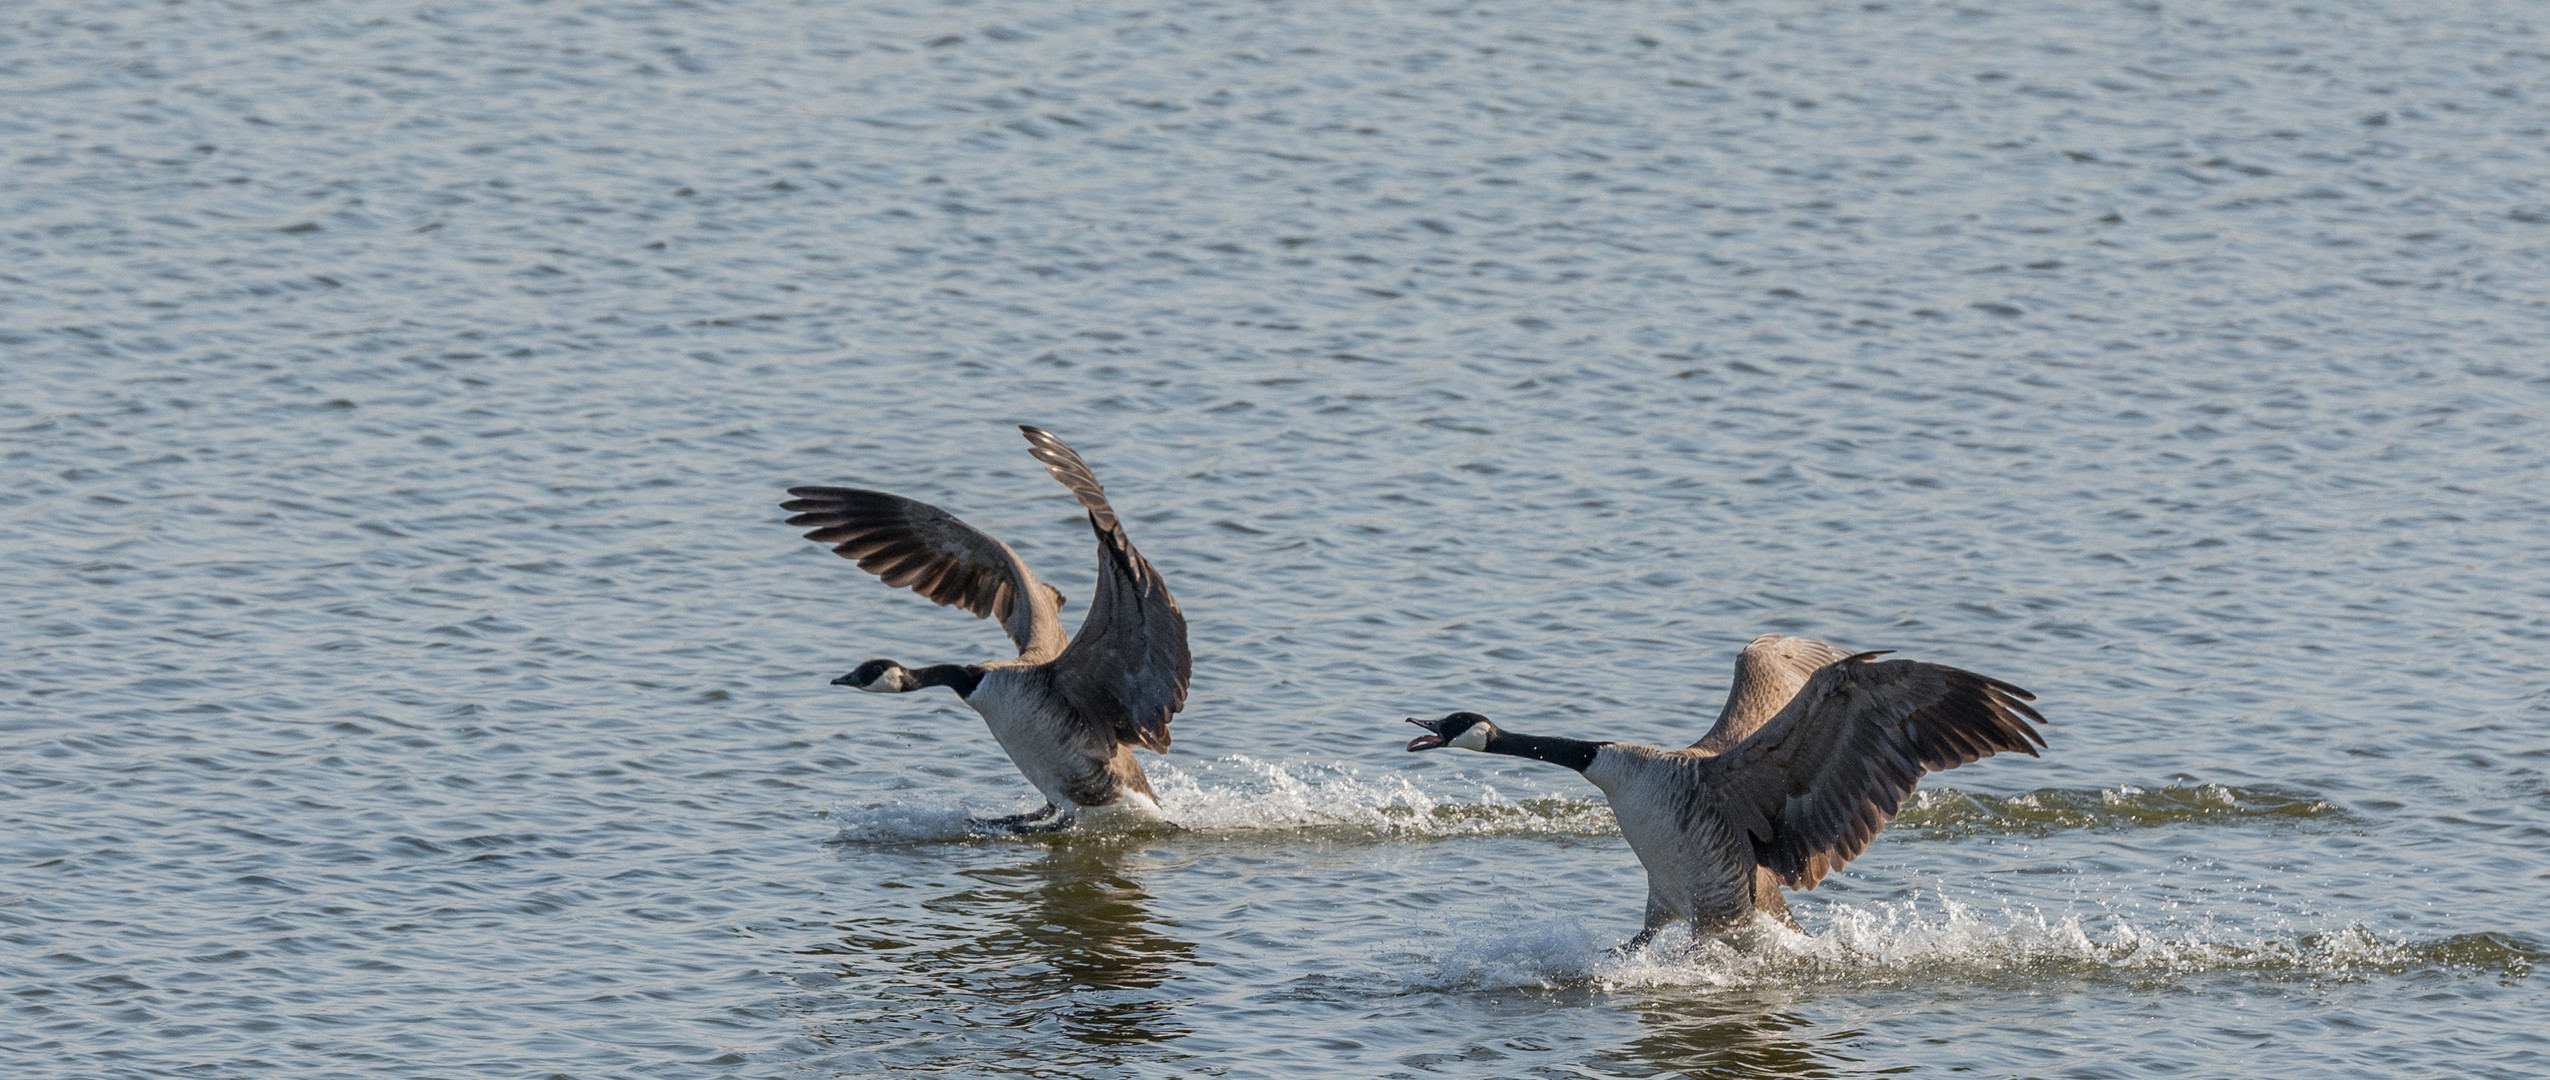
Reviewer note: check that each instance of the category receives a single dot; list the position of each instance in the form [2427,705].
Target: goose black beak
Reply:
[1427,741]
[847,680]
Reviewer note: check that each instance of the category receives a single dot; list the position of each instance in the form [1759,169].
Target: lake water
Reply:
[407,672]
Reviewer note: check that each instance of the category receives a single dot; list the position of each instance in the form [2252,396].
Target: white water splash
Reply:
[1945,938]
[1241,793]
[915,822]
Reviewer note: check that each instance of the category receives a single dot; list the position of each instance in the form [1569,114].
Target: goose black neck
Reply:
[1573,753]
[961,678]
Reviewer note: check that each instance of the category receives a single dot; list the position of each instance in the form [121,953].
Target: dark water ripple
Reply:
[406,673]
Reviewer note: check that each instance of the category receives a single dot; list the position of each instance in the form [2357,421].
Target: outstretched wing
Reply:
[918,546]
[1768,673]
[1816,783]
[1128,666]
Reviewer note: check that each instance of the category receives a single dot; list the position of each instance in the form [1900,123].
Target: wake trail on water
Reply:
[1241,795]
[1947,813]
[1887,941]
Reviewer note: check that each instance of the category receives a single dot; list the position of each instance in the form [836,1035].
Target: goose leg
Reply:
[1057,823]
[1768,901]
[1657,919]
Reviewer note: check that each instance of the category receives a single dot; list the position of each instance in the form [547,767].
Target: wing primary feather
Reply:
[1814,785]
[1129,665]
[911,544]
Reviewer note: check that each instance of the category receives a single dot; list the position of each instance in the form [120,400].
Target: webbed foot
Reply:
[1048,819]
[1634,944]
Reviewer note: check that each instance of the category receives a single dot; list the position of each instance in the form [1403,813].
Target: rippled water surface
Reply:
[407,672]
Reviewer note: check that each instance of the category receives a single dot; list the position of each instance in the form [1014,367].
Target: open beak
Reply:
[1427,741]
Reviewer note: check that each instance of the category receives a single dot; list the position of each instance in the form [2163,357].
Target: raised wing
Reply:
[918,546]
[1768,673]
[1128,666]
[1816,783]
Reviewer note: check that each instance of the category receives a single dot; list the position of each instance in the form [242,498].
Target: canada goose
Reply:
[1812,755]
[1068,711]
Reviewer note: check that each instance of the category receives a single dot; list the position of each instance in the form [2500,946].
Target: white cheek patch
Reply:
[891,681]
[1608,769]
[1474,738]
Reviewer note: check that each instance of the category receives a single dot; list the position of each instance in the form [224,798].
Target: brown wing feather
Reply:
[1817,783]
[1768,673]
[1128,666]
[910,544]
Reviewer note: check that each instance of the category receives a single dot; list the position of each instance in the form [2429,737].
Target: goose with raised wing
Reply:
[1068,710]
[1813,753]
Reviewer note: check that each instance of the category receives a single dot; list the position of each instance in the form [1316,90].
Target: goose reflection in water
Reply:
[1063,948]
[1719,1036]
